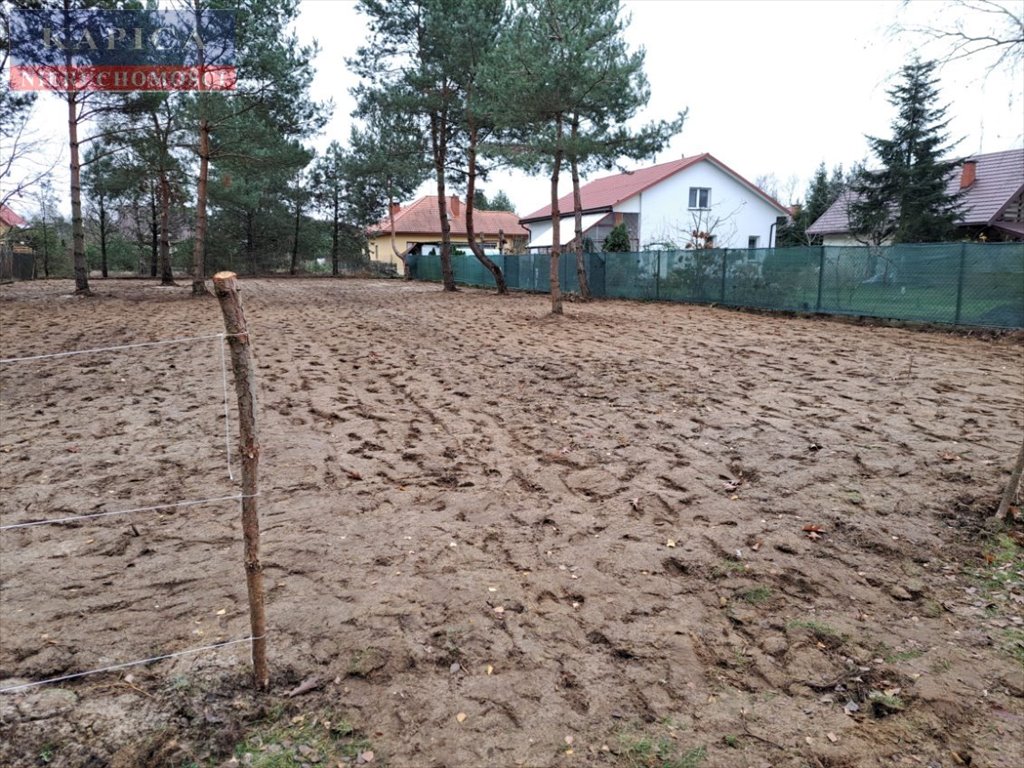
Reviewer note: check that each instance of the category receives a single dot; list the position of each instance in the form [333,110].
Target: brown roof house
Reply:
[992,205]
[418,231]
[16,258]
[662,204]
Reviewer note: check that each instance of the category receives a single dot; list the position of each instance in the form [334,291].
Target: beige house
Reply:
[418,230]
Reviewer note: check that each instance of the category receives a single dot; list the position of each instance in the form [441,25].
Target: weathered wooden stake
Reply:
[225,286]
[1003,513]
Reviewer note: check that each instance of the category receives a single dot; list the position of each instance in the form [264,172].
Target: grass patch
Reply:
[727,568]
[304,740]
[1004,565]
[892,656]
[821,631]
[755,596]
[884,704]
[1013,643]
[643,751]
[1001,579]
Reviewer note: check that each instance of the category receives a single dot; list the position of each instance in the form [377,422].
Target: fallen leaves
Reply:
[461,717]
[813,532]
[671,543]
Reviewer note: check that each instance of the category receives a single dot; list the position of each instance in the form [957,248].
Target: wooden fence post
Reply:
[1003,513]
[225,286]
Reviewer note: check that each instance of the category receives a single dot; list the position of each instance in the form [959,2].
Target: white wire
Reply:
[174,505]
[48,681]
[112,349]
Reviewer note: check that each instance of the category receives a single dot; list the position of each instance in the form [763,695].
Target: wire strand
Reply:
[181,340]
[174,505]
[127,664]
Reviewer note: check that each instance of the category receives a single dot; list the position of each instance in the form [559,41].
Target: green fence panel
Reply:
[975,284]
[631,275]
[769,278]
[993,285]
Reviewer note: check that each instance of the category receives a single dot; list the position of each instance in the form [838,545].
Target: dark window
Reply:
[700,197]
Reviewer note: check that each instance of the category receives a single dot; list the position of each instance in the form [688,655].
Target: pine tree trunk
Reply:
[199,245]
[402,257]
[437,139]
[334,235]
[250,248]
[46,250]
[293,269]
[154,231]
[556,230]
[478,251]
[581,267]
[77,229]
[202,193]
[166,274]
[103,237]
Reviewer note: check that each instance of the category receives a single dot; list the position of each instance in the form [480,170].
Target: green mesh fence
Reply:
[976,284]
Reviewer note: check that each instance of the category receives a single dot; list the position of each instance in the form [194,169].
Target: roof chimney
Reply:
[969,174]
[395,208]
[454,205]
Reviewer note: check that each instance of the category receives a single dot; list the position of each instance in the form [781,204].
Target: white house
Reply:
[663,205]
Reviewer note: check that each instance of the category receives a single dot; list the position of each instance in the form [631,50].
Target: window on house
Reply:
[752,241]
[700,197]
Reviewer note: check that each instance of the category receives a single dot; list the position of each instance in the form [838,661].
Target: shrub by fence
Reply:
[970,284]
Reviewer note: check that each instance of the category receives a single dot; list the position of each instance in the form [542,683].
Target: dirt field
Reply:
[639,535]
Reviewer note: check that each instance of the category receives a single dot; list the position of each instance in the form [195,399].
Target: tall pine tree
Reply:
[906,200]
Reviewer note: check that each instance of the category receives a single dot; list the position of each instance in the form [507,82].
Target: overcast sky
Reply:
[772,87]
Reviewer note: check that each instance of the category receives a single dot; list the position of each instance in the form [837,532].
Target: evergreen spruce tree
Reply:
[906,200]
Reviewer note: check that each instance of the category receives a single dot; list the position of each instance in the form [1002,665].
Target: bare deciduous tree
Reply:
[959,29]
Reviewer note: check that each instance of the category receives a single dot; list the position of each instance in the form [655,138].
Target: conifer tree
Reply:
[906,200]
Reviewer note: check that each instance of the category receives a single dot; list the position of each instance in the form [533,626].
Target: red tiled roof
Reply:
[423,218]
[10,218]
[607,192]
[999,178]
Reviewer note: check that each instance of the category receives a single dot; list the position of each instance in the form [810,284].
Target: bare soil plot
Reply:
[639,535]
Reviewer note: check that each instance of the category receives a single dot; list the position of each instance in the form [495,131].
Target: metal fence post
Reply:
[960,284]
[821,277]
[657,278]
[724,261]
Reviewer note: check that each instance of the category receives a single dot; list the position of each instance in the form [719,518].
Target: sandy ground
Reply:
[638,535]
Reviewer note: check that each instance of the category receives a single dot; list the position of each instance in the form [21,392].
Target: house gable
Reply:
[655,204]
[621,192]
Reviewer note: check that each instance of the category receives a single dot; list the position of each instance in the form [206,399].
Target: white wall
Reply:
[665,215]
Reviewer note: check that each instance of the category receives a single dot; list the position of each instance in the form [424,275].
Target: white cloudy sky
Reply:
[772,86]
